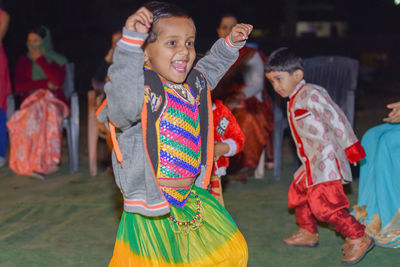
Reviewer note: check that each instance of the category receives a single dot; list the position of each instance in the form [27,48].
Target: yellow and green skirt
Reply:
[202,233]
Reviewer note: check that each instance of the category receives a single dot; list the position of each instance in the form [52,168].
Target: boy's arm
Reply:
[222,55]
[335,120]
[125,90]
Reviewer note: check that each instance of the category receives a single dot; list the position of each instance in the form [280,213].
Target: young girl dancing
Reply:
[160,117]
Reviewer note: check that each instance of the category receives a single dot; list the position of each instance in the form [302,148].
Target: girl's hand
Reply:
[394,115]
[241,32]
[140,21]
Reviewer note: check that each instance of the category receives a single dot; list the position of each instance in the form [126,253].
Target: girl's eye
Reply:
[171,43]
[189,43]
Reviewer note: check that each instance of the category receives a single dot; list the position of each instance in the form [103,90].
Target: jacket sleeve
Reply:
[125,90]
[334,119]
[215,64]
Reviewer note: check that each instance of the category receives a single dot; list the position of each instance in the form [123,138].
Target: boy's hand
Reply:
[394,115]
[220,149]
[140,21]
[241,32]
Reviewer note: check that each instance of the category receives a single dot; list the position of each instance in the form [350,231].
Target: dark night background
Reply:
[81,28]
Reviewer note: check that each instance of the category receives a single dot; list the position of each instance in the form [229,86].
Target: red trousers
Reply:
[325,202]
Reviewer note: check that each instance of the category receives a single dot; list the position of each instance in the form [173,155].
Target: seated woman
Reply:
[35,129]
[379,187]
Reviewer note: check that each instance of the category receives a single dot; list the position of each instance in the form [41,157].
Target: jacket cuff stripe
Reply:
[131,41]
[230,43]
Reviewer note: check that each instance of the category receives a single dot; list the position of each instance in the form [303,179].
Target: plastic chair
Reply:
[93,132]
[338,75]
[70,124]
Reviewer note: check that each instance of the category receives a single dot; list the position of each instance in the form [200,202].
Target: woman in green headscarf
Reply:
[41,67]
[35,129]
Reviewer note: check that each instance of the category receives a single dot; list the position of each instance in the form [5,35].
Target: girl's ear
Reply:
[299,75]
[146,56]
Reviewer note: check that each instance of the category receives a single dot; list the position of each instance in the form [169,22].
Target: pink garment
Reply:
[36,134]
[5,84]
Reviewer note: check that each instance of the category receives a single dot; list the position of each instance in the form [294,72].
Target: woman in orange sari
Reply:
[35,129]
[242,90]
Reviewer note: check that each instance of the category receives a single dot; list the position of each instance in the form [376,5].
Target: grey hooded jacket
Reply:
[126,108]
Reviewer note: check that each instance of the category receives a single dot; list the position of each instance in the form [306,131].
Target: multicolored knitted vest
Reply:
[179,143]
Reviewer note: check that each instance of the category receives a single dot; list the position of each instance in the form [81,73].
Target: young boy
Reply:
[229,140]
[324,139]
[163,150]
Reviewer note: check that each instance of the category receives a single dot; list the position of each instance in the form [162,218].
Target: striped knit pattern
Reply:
[179,137]
[176,196]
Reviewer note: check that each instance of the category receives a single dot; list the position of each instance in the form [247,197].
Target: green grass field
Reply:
[72,220]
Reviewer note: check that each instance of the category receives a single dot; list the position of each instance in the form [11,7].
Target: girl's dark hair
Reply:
[40,30]
[283,59]
[163,10]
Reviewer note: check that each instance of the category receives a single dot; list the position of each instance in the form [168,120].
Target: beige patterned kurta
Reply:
[324,138]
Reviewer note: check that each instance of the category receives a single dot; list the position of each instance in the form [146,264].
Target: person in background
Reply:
[242,90]
[41,67]
[35,129]
[5,84]
[378,205]
[100,77]
[229,140]
[95,98]
[325,144]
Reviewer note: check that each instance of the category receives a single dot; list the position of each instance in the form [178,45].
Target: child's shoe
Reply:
[355,249]
[302,238]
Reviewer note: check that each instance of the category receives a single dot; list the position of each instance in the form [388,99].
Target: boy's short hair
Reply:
[284,59]
[163,10]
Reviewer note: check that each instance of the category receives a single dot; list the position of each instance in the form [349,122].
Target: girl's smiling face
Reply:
[172,55]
